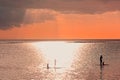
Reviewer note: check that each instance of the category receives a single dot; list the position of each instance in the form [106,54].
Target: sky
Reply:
[59,19]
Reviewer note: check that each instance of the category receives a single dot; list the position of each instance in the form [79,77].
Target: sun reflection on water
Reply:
[60,51]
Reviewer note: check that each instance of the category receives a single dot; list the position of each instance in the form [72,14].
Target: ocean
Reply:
[59,60]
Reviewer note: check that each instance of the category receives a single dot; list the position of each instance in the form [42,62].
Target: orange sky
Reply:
[69,26]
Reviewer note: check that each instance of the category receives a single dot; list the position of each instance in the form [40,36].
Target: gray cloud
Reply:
[82,6]
[38,16]
[14,17]
[12,12]
[11,17]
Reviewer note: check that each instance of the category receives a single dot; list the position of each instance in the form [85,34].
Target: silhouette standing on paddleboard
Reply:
[47,65]
[101,60]
[55,63]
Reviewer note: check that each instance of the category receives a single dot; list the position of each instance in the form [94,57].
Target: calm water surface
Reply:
[67,61]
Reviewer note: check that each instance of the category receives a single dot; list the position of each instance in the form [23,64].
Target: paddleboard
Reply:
[105,64]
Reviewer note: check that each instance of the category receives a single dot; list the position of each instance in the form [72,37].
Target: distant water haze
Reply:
[67,60]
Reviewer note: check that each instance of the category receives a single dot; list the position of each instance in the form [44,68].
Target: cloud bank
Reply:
[12,12]
[15,17]
[11,17]
[82,6]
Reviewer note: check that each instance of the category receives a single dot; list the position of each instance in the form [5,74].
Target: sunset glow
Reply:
[67,26]
[60,19]
[59,39]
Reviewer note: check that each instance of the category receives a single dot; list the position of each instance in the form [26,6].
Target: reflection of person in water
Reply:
[101,73]
[101,61]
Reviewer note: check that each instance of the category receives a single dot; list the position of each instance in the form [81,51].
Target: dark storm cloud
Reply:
[12,12]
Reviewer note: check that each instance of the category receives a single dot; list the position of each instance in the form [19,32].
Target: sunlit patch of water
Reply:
[58,54]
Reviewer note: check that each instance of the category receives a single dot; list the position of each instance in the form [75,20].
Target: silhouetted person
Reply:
[101,61]
[55,63]
[47,66]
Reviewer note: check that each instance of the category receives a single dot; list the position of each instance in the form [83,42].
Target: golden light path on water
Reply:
[61,51]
